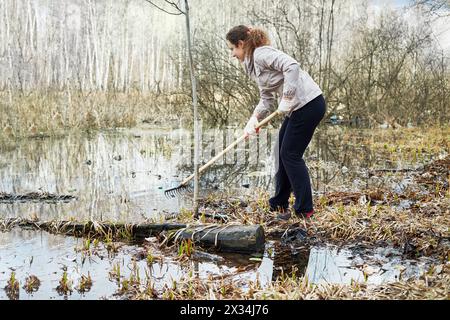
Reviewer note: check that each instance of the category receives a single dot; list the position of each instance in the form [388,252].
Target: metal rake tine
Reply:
[186,188]
[169,193]
[173,192]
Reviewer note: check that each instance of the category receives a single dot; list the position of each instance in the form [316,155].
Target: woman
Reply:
[300,99]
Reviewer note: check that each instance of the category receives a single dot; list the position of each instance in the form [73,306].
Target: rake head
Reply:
[176,191]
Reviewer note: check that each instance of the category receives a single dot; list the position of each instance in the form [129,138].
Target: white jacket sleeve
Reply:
[267,100]
[280,61]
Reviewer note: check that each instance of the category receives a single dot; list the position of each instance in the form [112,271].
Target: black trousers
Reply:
[292,175]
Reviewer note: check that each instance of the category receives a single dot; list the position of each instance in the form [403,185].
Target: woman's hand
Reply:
[285,106]
[250,128]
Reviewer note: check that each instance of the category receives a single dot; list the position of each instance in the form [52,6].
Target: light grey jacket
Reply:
[276,72]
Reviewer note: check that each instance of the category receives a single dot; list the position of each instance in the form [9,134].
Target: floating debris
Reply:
[35,196]
[65,285]
[32,284]
[85,284]
[12,287]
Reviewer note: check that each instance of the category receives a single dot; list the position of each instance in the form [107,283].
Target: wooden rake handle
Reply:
[231,146]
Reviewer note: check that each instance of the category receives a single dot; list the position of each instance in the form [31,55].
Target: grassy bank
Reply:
[52,112]
[370,217]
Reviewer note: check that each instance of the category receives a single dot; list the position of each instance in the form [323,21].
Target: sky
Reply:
[401,2]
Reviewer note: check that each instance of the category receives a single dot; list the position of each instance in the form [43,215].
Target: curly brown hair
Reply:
[252,38]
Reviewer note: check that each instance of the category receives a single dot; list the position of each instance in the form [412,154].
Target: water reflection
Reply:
[334,265]
[30,252]
[46,256]
[123,175]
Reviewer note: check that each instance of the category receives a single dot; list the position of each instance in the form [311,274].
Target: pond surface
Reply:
[333,265]
[47,256]
[121,176]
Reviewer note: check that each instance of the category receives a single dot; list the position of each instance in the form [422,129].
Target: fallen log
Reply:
[226,238]
[93,228]
[36,197]
[393,170]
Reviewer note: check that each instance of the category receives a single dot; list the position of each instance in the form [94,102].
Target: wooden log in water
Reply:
[36,197]
[228,238]
[94,228]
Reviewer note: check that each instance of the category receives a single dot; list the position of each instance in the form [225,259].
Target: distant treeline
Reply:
[115,63]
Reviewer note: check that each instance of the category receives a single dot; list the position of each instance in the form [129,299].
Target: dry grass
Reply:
[12,287]
[421,230]
[32,284]
[428,286]
[432,285]
[42,113]
[85,284]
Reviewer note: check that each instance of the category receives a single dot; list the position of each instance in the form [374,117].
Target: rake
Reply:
[184,186]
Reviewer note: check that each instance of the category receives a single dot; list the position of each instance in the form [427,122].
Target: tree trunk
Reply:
[194,100]
[231,238]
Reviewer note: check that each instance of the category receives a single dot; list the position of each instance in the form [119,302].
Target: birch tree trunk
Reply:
[194,101]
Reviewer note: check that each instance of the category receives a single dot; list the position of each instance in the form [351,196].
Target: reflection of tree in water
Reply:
[286,261]
[102,169]
[246,165]
[230,176]
[334,158]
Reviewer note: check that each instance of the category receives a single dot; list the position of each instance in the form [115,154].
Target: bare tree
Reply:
[176,10]
[438,8]
[385,67]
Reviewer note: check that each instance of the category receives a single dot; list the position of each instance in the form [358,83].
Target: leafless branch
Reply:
[180,12]
[440,8]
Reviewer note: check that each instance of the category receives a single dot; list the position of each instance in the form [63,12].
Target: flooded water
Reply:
[121,176]
[48,256]
[333,265]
